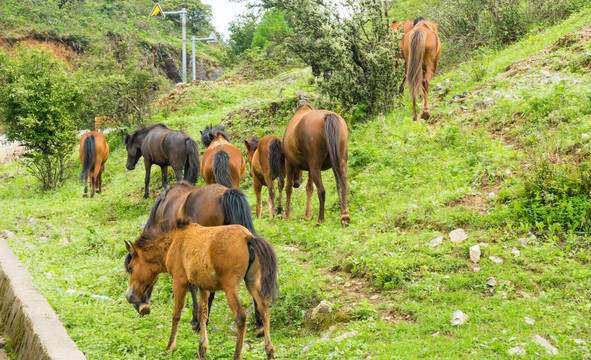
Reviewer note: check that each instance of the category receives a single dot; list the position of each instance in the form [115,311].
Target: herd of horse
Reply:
[204,237]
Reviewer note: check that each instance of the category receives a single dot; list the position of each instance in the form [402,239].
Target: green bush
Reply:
[39,103]
[271,27]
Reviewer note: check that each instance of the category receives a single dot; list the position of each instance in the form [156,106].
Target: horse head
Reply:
[251,145]
[211,132]
[134,152]
[141,279]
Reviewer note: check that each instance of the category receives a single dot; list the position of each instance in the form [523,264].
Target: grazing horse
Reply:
[94,152]
[421,49]
[267,163]
[222,162]
[161,146]
[212,259]
[209,205]
[406,26]
[316,140]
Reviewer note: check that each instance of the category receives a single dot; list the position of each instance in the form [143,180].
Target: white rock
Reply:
[347,284]
[9,235]
[292,249]
[322,308]
[491,281]
[475,253]
[518,350]
[458,235]
[374,297]
[476,269]
[585,136]
[159,326]
[435,242]
[458,318]
[529,320]
[546,345]
[504,295]
[579,341]
[515,251]
[492,195]
[496,259]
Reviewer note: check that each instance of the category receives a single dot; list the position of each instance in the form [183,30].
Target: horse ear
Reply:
[130,248]
[246,143]
[126,139]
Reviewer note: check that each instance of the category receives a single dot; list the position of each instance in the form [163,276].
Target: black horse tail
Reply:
[237,210]
[89,148]
[414,76]
[192,173]
[333,138]
[152,217]
[221,169]
[264,252]
[276,158]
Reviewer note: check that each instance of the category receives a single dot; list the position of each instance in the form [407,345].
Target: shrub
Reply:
[271,27]
[39,102]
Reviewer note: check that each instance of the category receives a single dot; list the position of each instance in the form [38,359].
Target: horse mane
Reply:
[151,234]
[426,23]
[417,20]
[211,132]
[129,138]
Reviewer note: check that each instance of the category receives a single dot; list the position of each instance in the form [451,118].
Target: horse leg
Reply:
[426,79]
[262,306]
[179,289]
[316,176]
[203,317]
[280,184]
[148,166]
[92,175]
[414,109]
[271,190]
[309,192]
[164,172]
[289,171]
[345,218]
[85,186]
[195,319]
[100,180]
[239,317]
[256,184]
[95,179]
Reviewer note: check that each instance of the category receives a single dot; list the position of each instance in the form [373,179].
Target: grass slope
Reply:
[392,294]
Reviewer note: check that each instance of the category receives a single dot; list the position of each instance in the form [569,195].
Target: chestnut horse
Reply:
[267,163]
[212,259]
[421,49]
[406,26]
[94,152]
[209,205]
[222,162]
[316,140]
[161,146]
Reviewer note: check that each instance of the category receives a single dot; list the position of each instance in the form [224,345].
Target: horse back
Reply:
[237,164]
[101,146]
[153,148]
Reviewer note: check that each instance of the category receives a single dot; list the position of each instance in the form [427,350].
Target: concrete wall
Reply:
[27,319]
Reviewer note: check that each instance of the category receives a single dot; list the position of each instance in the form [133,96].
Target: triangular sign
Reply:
[157,11]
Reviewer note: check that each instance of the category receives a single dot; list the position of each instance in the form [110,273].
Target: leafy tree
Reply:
[272,26]
[198,15]
[38,105]
[242,32]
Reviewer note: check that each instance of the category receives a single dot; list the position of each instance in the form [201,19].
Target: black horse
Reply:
[161,146]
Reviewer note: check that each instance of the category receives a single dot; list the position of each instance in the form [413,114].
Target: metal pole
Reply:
[184,21]
[194,66]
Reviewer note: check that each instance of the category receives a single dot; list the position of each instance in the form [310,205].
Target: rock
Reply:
[476,269]
[292,249]
[436,333]
[2,342]
[585,136]
[491,281]
[518,350]
[515,251]
[546,345]
[437,241]
[523,241]
[529,320]
[159,326]
[321,308]
[475,253]
[43,239]
[374,297]
[495,259]
[504,295]
[8,235]
[347,284]
[491,195]
[458,235]
[458,318]
[101,297]
[523,294]
[579,341]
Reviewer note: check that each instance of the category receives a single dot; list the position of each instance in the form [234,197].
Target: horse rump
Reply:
[89,148]
[237,210]
[221,169]
[192,163]
[276,159]
[264,252]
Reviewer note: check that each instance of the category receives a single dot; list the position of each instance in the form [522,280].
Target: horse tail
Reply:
[221,169]
[152,217]
[89,148]
[276,158]
[192,173]
[237,210]
[332,136]
[264,252]
[414,75]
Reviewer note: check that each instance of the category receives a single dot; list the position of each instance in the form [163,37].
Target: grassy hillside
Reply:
[504,123]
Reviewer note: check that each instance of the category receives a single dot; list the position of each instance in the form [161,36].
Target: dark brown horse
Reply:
[94,152]
[209,205]
[421,49]
[222,162]
[212,259]
[267,163]
[316,140]
[161,146]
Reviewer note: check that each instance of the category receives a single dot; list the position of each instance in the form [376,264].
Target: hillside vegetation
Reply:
[505,157]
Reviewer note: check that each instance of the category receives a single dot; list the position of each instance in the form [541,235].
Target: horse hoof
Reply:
[195,325]
[425,115]
[345,220]
[260,332]
[84,195]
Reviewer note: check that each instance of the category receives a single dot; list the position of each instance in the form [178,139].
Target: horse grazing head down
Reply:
[211,132]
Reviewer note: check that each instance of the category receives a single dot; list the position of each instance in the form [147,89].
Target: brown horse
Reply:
[267,163]
[94,152]
[212,259]
[209,205]
[316,140]
[161,146]
[406,26]
[222,162]
[421,49]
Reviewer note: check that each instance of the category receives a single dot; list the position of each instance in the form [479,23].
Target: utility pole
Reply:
[211,39]
[157,12]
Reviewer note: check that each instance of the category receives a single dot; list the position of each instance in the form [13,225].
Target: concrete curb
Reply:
[35,331]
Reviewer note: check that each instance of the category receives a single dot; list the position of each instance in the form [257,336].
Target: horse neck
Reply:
[219,141]
[158,250]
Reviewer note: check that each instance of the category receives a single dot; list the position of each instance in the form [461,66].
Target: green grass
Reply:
[408,182]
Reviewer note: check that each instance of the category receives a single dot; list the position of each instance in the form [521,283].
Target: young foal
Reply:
[221,163]
[211,258]
[94,152]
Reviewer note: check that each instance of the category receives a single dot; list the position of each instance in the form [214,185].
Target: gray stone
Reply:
[550,349]
[475,253]
[491,281]
[458,235]
[458,318]
[9,235]
[495,259]
[436,242]
[518,350]
[321,308]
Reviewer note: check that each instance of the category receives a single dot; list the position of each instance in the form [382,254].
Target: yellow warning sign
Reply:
[157,11]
